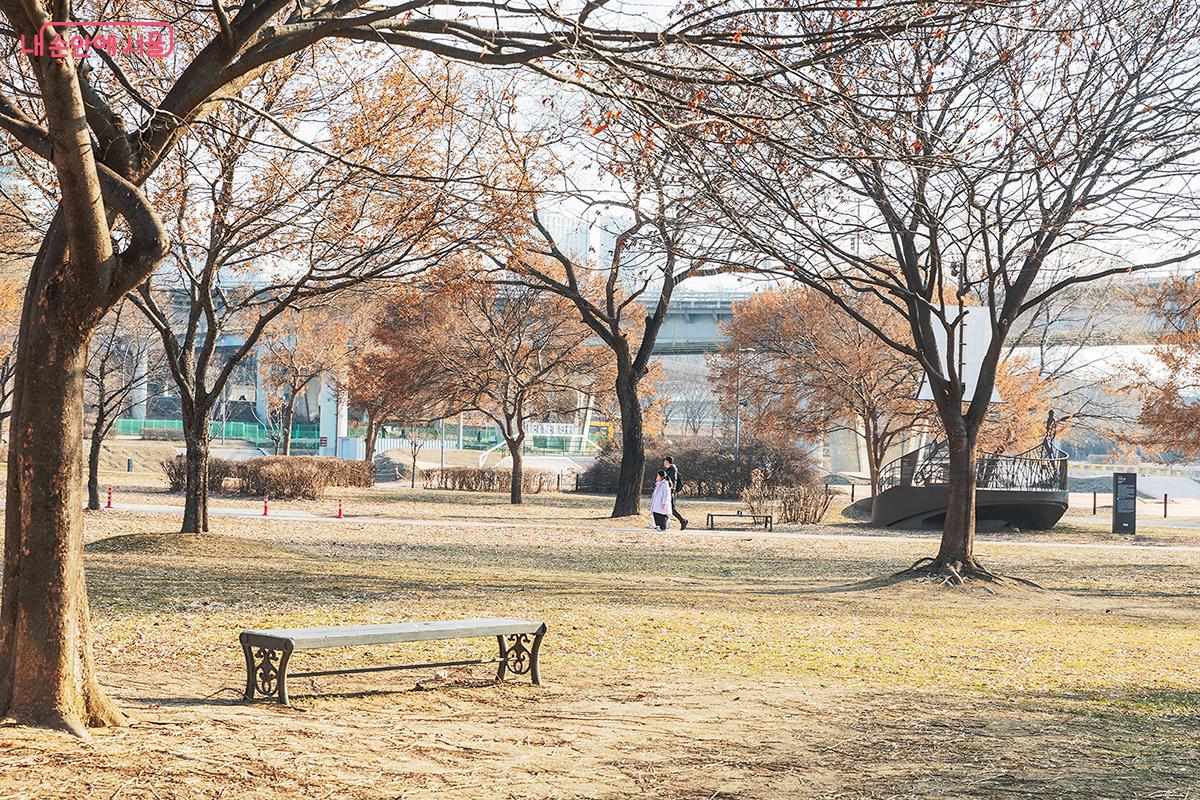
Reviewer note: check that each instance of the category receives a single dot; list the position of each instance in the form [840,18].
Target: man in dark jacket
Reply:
[673,476]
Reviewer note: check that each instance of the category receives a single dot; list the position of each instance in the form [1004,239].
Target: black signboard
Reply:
[1124,507]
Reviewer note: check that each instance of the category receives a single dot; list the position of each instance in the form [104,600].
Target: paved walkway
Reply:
[248,513]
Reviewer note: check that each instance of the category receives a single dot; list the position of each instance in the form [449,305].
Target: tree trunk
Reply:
[372,434]
[633,455]
[876,450]
[47,675]
[518,469]
[873,472]
[286,423]
[957,549]
[195,502]
[93,483]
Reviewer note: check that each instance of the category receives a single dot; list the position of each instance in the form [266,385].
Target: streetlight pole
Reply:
[737,417]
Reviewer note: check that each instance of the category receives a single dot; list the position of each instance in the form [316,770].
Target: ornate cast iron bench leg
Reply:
[518,657]
[533,659]
[266,672]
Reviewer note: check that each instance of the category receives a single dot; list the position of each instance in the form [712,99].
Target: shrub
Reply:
[344,471]
[218,470]
[283,477]
[175,469]
[761,497]
[708,466]
[479,479]
[806,504]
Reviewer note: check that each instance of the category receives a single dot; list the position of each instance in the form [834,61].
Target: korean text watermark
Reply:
[148,38]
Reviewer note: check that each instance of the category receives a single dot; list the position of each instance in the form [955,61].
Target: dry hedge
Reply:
[478,479]
[344,471]
[282,477]
[219,469]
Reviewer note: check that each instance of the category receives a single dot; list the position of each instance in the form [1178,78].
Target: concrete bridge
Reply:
[693,323]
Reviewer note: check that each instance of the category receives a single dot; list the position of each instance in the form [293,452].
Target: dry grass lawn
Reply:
[676,666]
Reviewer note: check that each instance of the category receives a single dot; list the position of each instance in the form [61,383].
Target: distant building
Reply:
[580,238]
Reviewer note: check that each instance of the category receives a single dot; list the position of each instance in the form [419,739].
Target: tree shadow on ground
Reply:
[868,584]
[1149,699]
[300,696]
[1029,745]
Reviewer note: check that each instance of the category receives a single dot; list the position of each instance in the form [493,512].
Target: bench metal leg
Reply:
[519,657]
[503,665]
[266,672]
[533,658]
[246,651]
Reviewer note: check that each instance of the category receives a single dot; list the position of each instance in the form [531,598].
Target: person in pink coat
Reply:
[660,501]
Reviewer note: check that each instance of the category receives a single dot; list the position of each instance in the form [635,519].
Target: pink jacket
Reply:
[660,501]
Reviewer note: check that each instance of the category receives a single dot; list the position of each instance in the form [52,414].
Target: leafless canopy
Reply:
[1001,163]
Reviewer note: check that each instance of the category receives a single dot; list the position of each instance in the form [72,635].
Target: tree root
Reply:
[958,573]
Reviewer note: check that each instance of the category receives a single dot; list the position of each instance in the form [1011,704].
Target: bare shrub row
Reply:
[479,479]
[283,477]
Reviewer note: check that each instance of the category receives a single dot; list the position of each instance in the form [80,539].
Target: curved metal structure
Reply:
[1028,490]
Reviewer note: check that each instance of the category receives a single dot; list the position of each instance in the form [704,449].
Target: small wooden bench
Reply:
[755,519]
[268,652]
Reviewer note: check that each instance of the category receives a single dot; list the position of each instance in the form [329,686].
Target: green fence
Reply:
[307,437]
[304,437]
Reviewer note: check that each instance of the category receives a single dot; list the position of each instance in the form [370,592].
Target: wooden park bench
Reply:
[268,652]
[755,519]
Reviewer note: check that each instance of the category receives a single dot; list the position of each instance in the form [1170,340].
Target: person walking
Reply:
[660,501]
[672,473]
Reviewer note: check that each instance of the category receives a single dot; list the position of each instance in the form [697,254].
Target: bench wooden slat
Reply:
[354,635]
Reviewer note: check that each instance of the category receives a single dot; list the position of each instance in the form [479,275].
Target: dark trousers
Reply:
[675,511]
[660,520]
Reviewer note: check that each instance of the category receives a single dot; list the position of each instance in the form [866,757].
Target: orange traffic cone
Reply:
[109,504]
[265,506]
[339,509]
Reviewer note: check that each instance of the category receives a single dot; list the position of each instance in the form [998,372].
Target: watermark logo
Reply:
[140,38]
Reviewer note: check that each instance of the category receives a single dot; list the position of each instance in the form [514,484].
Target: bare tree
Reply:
[510,353]
[124,357]
[324,228]
[802,370]
[659,240]
[302,347]
[699,405]
[1002,164]
[106,135]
